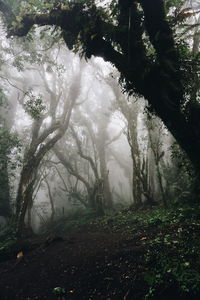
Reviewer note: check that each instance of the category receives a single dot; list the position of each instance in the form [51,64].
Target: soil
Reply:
[88,265]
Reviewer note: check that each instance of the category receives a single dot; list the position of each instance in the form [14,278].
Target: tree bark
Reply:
[5,209]
[29,171]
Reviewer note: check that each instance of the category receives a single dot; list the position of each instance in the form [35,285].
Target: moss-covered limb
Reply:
[157,27]
[162,102]
[27,22]
[130,31]
[21,28]
[161,37]
[67,19]
[123,24]
[160,34]
[137,57]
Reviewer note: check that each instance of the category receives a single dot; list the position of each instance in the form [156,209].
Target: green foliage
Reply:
[58,291]
[176,271]
[8,141]
[184,186]
[14,4]
[174,253]
[10,149]
[169,241]
[7,236]
[34,106]
[173,4]
[129,220]
[126,220]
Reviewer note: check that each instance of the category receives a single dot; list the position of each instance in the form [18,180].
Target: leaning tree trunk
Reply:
[33,160]
[28,179]
[25,192]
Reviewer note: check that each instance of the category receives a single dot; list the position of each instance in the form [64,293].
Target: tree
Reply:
[159,76]
[89,132]
[8,143]
[9,151]
[44,133]
[156,156]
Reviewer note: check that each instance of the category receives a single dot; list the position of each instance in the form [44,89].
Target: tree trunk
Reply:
[5,209]
[51,201]
[107,195]
[24,194]
[136,190]
[135,154]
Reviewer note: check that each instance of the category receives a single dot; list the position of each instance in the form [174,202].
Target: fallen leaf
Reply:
[20,255]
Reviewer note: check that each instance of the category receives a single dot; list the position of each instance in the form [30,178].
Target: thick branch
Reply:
[28,21]
[160,35]
[69,167]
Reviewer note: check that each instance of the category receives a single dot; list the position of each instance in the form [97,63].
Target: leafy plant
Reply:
[34,106]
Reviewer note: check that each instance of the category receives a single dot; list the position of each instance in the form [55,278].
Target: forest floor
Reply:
[125,256]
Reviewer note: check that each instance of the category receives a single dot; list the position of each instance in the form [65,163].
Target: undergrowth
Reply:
[169,239]
[8,238]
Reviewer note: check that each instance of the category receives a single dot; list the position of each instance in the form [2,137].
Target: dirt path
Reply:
[88,265]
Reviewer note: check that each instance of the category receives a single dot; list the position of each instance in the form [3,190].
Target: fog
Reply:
[82,143]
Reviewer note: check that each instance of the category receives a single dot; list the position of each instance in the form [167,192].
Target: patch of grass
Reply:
[172,245]
[172,256]
[176,272]
[129,220]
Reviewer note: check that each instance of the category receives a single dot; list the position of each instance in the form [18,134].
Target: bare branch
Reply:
[69,167]
[80,152]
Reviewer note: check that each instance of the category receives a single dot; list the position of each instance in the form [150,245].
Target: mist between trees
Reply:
[73,139]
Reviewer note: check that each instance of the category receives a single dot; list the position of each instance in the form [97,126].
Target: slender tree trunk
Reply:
[107,195]
[51,201]
[162,189]
[29,215]
[136,190]
[5,209]
[136,176]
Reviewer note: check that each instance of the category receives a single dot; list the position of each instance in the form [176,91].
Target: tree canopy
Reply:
[138,38]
